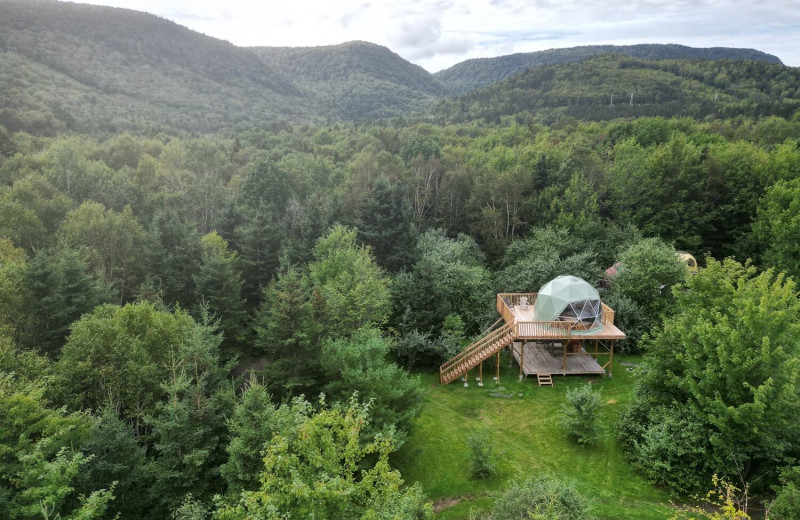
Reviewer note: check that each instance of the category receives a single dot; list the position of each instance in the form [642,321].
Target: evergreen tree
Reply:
[218,287]
[174,258]
[387,226]
[287,330]
[262,203]
[254,422]
[59,290]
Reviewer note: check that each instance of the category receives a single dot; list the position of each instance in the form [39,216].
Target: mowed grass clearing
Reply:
[522,419]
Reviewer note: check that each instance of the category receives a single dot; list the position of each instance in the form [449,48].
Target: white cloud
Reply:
[439,33]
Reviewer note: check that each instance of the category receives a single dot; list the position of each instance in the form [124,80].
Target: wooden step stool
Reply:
[545,379]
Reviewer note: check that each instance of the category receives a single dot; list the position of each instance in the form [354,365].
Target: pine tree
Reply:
[387,226]
[218,285]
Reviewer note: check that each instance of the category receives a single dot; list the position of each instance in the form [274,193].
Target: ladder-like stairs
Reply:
[476,353]
[545,379]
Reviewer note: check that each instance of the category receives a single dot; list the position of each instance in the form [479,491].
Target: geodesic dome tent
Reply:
[571,299]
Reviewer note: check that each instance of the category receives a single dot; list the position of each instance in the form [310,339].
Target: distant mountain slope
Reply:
[100,70]
[355,79]
[478,73]
[131,59]
[608,87]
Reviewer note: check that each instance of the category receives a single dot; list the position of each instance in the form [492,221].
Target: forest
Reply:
[228,277]
[179,314]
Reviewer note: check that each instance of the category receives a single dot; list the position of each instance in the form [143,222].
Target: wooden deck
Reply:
[531,330]
[548,358]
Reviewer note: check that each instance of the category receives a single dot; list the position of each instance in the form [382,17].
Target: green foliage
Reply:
[477,73]
[353,290]
[286,329]
[723,369]
[59,290]
[386,226]
[117,356]
[115,455]
[723,502]
[778,226]
[448,279]
[191,509]
[40,458]
[326,471]
[662,87]
[786,505]
[482,455]
[174,258]
[253,424]
[218,286]
[647,271]
[358,364]
[581,414]
[548,252]
[543,497]
[115,243]
[188,422]
[13,267]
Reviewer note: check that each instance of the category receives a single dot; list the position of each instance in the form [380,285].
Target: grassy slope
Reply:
[528,440]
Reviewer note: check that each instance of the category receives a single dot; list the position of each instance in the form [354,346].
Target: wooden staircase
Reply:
[545,379]
[475,354]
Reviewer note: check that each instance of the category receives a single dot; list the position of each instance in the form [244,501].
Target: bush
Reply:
[542,497]
[673,450]
[482,455]
[786,505]
[417,349]
[581,414]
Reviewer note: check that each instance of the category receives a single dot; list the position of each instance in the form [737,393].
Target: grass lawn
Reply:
[528,440]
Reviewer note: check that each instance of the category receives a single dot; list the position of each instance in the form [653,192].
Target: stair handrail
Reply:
[476,346]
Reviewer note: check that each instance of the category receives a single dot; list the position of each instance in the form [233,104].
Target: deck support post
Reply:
[497,368]
[480,374]
[521,359]
[466,378]
[611,361]
[564,362]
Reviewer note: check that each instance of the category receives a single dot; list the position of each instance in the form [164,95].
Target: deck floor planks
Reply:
[544,358]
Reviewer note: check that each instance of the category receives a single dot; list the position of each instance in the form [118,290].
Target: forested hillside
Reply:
[98,70]
[119,69]
[610,87]
[356,80]
[477,73]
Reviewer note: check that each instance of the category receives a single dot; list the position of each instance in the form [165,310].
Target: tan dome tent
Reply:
[689,260]
[570,299]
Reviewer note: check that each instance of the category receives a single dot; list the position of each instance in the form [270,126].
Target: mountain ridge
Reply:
[477,73]
[94,69]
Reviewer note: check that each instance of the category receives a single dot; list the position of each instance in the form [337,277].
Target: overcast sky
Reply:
[439,33]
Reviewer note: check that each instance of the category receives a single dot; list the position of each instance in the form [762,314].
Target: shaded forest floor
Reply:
[522,418]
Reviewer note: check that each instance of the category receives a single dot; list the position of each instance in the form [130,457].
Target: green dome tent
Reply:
[569,298]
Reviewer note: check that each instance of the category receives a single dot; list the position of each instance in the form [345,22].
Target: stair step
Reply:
[545,379]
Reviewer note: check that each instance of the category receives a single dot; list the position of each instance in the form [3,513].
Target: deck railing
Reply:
[608,314]
[507,300]
[476,352]
[543,329]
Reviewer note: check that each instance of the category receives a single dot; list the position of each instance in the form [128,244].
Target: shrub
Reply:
[482,463]
[542,497]
[581,413]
